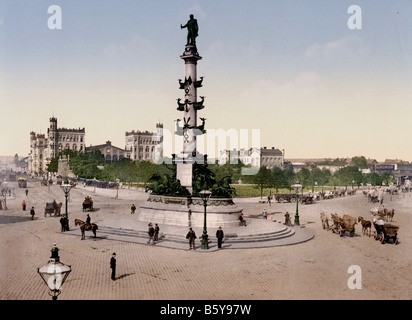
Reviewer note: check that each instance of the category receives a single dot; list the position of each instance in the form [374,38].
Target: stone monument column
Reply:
[190,85]
[188,127]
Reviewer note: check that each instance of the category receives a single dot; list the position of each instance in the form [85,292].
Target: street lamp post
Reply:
[54,273]
[205,195]
[66,189]
[297,188]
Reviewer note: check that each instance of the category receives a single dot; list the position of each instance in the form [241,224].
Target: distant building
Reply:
[403,173]
[255,157]
[144,145]
[110,152]
[45,147]
[271,158]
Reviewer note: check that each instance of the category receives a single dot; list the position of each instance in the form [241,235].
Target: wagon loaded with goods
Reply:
[386,231]
[342,224]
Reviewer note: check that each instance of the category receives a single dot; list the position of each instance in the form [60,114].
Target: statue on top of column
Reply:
[192,30]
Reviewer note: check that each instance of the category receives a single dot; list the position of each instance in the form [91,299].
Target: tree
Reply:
[290,177]
[263,179]
[279,178]
[346,175]
[303,176]
[359,162]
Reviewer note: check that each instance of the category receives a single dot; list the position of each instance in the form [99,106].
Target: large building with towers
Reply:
[44,147]
[144,145]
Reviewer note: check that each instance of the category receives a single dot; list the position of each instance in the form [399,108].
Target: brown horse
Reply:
[86,227]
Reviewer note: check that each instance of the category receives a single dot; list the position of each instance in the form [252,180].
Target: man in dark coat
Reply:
[156,232]
[113,266]
[151,234]
[219,235]
[191,235]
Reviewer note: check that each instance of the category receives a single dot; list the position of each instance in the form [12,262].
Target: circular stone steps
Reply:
[257,233]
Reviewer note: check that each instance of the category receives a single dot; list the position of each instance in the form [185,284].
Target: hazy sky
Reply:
[293,69]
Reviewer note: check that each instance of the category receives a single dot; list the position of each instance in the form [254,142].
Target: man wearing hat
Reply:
[151,233]
[113,266]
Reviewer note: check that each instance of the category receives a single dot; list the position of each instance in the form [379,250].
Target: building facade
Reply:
[144,145]
[110,152]
[44,147]
[255,157]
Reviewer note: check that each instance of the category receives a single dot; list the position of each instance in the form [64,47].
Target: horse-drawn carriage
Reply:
[88,204]
[288,197]
[307,199]
[342,224]
[53,208]
[22,182]
[386,231]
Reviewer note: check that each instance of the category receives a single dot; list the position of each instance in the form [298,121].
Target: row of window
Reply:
[70,138]
[113,158]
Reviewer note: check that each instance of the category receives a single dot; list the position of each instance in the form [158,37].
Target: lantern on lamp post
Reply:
[54,273]
[205,195]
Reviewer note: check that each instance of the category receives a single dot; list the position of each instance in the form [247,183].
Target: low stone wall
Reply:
[187,211]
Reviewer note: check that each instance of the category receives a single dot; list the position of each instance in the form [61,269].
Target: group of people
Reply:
[191,236]
[153,233]
[32,212]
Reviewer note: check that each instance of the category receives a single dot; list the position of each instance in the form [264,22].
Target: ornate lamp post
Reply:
[205,195]
[54,273]
[297,188]
[66,189]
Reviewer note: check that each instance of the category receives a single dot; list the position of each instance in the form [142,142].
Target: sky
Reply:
[294,70]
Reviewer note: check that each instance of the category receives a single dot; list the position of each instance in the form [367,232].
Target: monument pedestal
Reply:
[188,211]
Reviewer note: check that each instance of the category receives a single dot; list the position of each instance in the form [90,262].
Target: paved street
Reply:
[315,269]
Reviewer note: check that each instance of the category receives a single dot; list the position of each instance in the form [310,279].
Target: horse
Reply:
[86,227]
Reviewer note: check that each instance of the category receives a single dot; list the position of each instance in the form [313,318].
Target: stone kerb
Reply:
[187,211]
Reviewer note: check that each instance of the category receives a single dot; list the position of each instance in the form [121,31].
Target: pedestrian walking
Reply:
[133,209]
[191,236]
[151,234]
[27,192]
[242,221]
[32,212]
[23,204]
[265,214]
[156,232]
[219,235]
[269,200]
[287,219]
[113,266]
